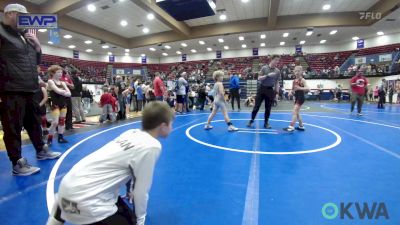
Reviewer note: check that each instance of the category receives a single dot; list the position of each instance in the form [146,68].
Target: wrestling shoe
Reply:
[22,168]
[46,153]
[289,129]
[232,128]
[208,127]
[301,128]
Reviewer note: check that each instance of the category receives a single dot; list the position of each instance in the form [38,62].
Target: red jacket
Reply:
[107,98]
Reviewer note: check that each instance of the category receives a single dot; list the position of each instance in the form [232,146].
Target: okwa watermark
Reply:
[355,210]
[370,15]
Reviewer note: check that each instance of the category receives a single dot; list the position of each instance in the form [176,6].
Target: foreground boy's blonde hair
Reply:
[155,113]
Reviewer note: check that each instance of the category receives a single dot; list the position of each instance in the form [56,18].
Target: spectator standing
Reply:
[159,87]
[234,89]
[20,53]
[76,98]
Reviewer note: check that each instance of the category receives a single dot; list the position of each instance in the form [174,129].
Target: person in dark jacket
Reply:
[234,88]
[20,53]
[76,98]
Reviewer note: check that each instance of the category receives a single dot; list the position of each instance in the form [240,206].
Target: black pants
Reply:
[235,95]
[20,110]
[381,101]
[124,216]
[267,95]
[68,117]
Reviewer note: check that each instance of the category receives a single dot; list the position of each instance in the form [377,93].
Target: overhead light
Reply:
[72,46]
[302,42]
[226,47]
[326,7]
[263,36]
[309,33]
[152,49]
[91,7]
[89,50]
[209,49]
[126,54]
[109,53]
[88,42]
[127,50]
[245,1]
[380,33]
[262,44]
[193,50]
[42,30]
[355,38]
[201,42]
[178,52]
[244,46]
[322,41]
[67,36]
[282,43]
[50,42]
[220,40]
[124,23]
[145,30]
[241,38]
[143,55]
[184,44]
[167,47]
[150,16]
[222,17]
[105,46]
[333,32]
[165,54]
[285,34]
[121,0]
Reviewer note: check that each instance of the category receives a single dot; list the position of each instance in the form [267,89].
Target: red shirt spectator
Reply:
[358,84]
[107,98]
[159,87]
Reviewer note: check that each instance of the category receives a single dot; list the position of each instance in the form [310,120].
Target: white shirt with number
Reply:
[89,191]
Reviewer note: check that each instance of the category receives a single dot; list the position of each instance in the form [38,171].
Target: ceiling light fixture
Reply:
[178,52]
[226,47]
[67,36]
[123,23]
[50,42]
[282,43]
[105,46]
[127,50]
[201,42]
[220,40]
[285,34]
[42,30]
[126,54]
[193,50]
[380,33]
[355,38]
[309,33]
[71,46]
[222,17]
[333,32]
[91,7]
[263,36]
[152,49]
[143,55]
[88,42]
[184,44]
[262,44]
[244,46]
[241,38]
[165,54]
[168,47]
[109,53]
[89,50]
[302,42]
[209,49]
[150,16]
[145,30]
[326,7]
[322,41]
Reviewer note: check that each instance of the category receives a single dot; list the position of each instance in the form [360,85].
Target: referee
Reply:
[269,78]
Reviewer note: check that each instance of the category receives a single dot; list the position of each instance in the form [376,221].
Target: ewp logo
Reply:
[375,211]
[36,21]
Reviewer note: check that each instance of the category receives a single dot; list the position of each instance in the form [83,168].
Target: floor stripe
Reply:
[251,207]
[364,140]
[257,132]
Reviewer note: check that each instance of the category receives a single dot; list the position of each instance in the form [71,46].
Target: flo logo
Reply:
[355,210]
